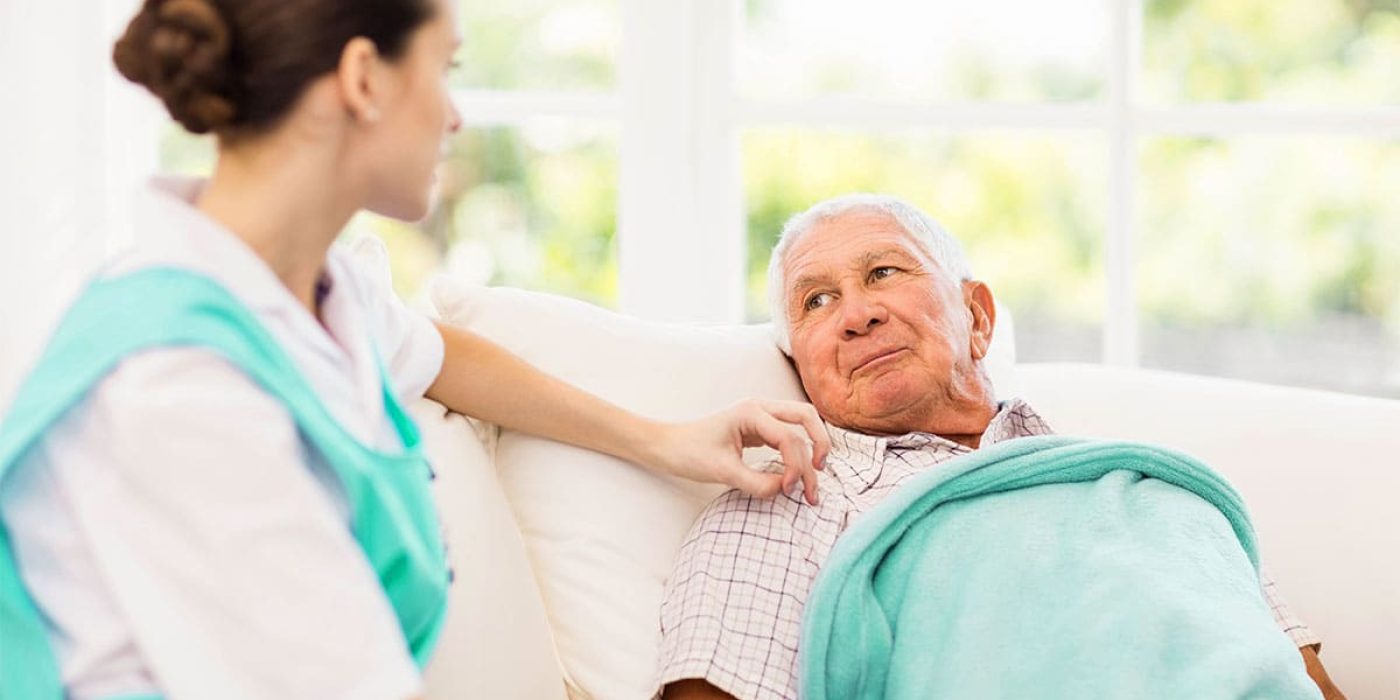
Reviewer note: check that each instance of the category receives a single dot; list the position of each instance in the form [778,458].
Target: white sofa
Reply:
[561,553]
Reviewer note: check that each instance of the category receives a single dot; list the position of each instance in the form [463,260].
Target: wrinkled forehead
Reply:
[848,241]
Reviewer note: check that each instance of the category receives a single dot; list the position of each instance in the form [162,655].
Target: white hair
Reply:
[940,246]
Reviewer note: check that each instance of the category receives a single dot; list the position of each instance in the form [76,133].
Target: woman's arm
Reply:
[485,381]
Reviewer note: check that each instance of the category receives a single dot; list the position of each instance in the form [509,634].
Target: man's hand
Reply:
[1319,674]
[693,689]
[711,449]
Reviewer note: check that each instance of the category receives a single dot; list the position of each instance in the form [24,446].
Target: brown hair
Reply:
[239,65]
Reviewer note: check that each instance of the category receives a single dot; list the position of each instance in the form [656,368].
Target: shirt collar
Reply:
[172,231]
[863,455]
[1016,419]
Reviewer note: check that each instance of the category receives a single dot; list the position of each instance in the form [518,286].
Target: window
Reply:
[1194,185]
[528,195]
[998,50]
[1027,207]
[1275,258]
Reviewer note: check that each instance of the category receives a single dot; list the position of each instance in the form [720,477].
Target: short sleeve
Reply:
[225,555]
[407,340]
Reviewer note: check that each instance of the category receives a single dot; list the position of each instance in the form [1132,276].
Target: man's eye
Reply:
[816,301]
[880,273]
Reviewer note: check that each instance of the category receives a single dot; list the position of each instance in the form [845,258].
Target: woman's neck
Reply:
[286,208]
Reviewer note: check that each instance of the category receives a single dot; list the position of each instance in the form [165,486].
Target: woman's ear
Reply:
[360,76]
[984,317]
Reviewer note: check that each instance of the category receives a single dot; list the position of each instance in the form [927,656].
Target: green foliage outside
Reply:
[1027,208]
[1271,257]
[1324,52]
[537,44]
[537,204]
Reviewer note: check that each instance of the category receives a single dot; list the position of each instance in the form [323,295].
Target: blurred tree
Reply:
[1275,258]
[1026,207]
[538,44]
[1312,51]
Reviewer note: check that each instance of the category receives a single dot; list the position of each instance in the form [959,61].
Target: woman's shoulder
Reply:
[362,265]
[410,346]
[165,406]
[179,384]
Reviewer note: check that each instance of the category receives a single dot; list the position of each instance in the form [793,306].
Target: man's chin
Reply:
[888,412]
[889,392]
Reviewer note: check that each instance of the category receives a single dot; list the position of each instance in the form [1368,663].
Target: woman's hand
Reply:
[711,449]
[482,379]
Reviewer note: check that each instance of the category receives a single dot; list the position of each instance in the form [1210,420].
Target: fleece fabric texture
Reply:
[1050,567]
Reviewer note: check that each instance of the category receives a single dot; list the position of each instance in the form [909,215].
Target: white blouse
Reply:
[177,533]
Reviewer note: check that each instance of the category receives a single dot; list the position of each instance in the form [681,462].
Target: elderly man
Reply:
[879,311]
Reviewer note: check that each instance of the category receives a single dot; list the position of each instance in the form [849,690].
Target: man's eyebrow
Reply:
[873,256]
[817,279]
[810,280]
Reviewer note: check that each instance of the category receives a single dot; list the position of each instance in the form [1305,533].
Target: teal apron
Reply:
[392,514]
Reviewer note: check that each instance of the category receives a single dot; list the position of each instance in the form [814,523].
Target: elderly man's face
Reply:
[884,340]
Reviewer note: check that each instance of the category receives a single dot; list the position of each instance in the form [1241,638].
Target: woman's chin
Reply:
[409,211]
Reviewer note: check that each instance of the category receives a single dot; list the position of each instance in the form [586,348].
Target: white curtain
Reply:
[74,142]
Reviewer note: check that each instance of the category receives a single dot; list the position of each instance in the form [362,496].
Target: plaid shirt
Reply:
[732,612]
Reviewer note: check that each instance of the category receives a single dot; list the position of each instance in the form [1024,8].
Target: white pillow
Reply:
[603,534]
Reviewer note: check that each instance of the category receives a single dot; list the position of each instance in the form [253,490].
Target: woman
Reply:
[208,486]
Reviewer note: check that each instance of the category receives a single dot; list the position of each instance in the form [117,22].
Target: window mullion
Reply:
[1120,330]
[672,264]
[718,181]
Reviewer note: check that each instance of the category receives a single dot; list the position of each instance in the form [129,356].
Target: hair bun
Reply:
[179,50]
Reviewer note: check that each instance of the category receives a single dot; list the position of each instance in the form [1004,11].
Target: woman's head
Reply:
[367,74]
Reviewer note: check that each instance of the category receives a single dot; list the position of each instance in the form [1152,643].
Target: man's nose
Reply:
[860,313]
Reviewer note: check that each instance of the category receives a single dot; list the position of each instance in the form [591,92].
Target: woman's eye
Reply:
[816,301]
[880,273]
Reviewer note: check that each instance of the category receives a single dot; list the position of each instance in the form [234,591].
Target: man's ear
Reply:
[360,76]
[984,316]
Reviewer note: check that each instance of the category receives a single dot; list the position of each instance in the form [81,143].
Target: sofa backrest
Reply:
[582,576]
[600,533]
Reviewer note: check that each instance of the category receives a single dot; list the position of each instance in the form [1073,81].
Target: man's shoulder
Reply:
[735,504]
[1015,418]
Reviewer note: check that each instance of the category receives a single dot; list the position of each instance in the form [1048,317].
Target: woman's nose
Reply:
[454,117]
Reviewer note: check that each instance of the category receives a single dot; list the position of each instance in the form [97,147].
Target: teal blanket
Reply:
[1050,567]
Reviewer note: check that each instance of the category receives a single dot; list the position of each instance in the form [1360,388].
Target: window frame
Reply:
[681,214]
[1121,115]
